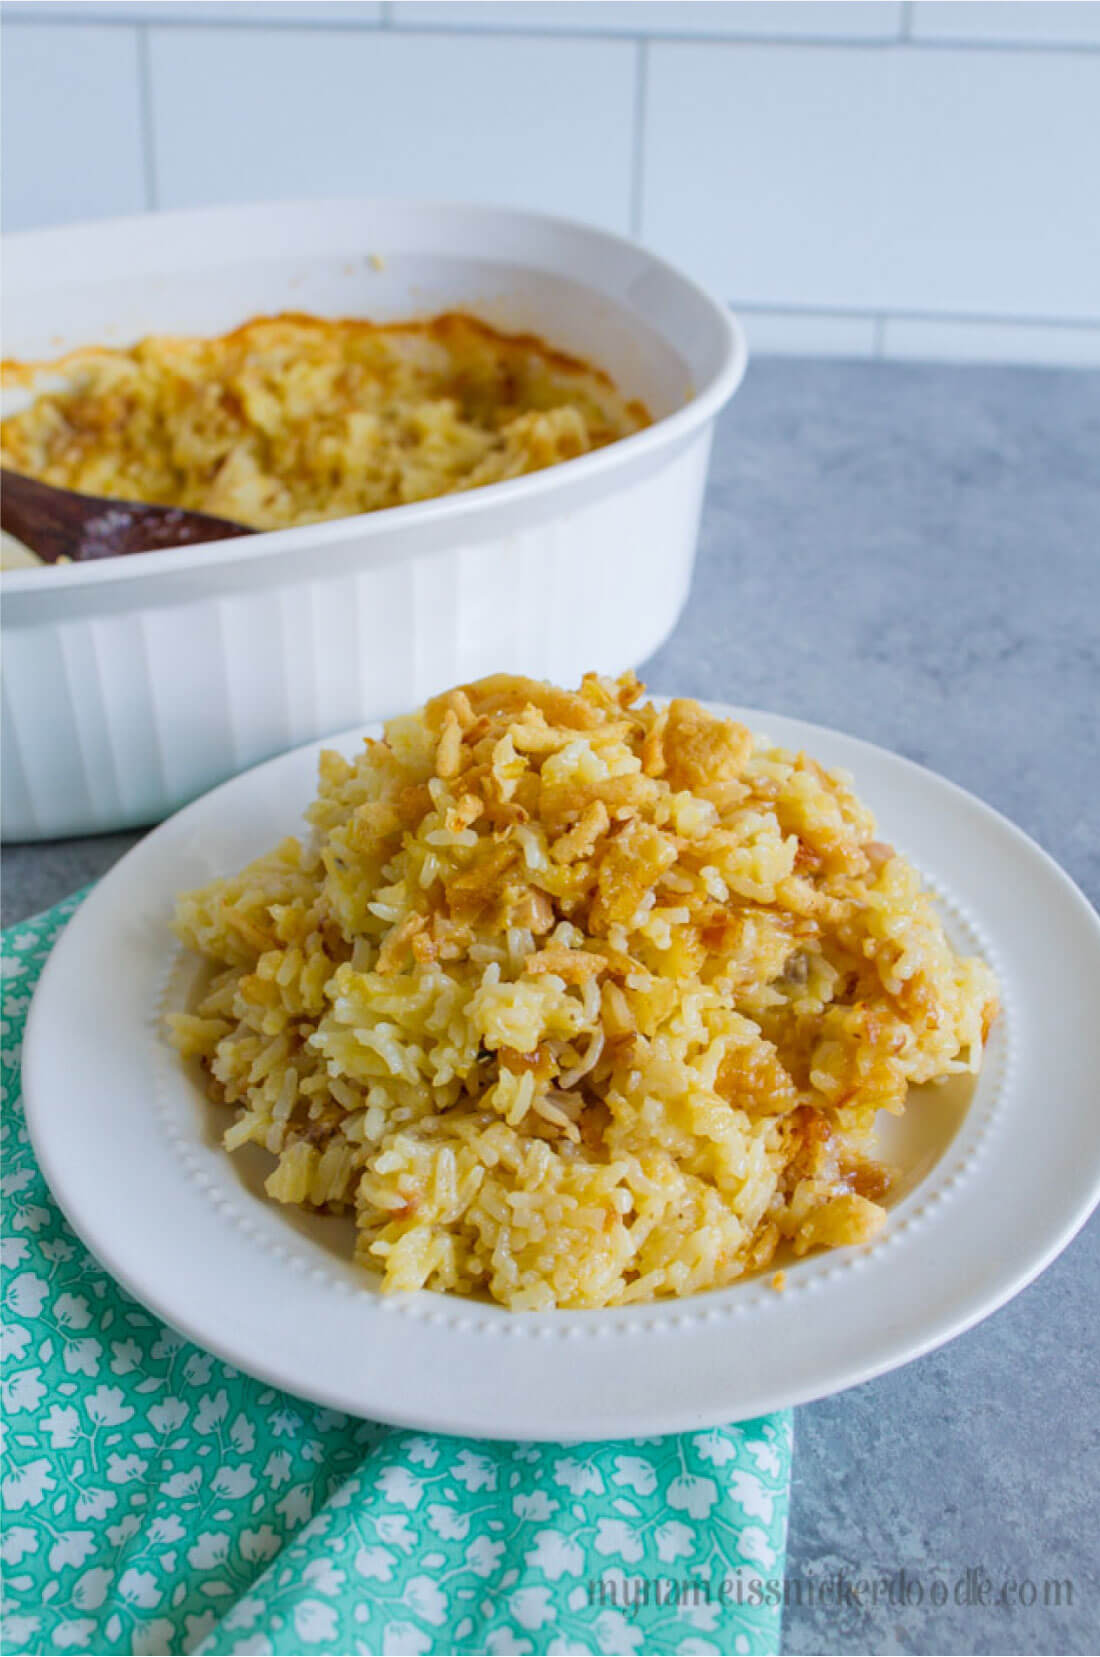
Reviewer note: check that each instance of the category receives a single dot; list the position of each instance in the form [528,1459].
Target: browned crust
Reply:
[16,371]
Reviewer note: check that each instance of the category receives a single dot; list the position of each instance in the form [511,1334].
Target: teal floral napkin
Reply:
[156,1500]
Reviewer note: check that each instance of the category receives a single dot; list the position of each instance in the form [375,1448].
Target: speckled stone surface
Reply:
[912,554]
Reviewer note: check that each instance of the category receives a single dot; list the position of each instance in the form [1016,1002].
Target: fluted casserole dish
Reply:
[131,685]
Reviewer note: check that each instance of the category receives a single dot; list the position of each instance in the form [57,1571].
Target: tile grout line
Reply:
[637,170]
[69,16]
[145,108]
[981,319]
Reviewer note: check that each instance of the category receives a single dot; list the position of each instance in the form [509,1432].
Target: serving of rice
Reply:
[577,1001]
[294,419]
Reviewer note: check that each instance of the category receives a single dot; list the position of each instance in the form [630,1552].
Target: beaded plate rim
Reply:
[844,1317]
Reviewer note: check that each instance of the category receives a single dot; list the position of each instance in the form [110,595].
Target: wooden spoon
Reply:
[60,525]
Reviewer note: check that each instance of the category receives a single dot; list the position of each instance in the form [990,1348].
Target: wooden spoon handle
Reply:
[39,516]
[59,523]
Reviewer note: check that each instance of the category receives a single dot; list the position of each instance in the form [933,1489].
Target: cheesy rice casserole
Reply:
[294,419]
[575,1000]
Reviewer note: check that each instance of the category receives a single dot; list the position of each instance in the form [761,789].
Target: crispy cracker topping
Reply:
[578,1000]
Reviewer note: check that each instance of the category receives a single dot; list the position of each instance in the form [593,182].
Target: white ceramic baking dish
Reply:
[132,685]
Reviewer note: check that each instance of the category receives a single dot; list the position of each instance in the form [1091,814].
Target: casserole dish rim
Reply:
[481,505]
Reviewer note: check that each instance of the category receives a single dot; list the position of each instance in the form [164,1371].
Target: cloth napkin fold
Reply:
[157,1500]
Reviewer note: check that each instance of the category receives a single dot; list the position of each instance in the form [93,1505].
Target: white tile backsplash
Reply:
[803,19]
[280,12]
[256,115]
[941,340]
[807,333]
[878,179]
[859,176]
[71,110]
[1009,22]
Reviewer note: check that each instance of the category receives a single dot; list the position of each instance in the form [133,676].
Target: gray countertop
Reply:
[911,554]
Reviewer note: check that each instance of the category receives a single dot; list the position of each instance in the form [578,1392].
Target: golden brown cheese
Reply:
[294,419]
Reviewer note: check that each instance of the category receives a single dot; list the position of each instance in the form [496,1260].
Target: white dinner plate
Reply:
[996,1178]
